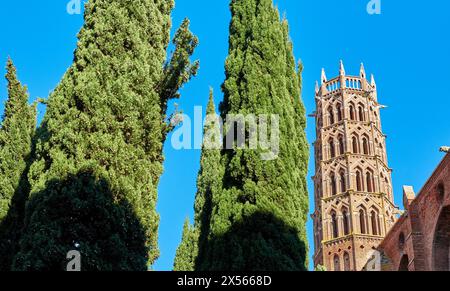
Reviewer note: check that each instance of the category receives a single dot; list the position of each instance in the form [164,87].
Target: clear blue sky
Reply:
[407,47]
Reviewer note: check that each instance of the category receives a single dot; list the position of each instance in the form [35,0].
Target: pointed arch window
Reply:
[355,145]
[361,113]
[370,182]
[346,222]
[337,263]
[341,146]
[330,116]
[352,112]
[366,148]
[359,186]
[334,225]
[346,262]
[374,218]
[343,182]
[333,185]
[339,112]
[332,148]
[362,221]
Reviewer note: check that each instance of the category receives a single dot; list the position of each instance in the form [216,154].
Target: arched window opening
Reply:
[332,149]
[330,116]
[346,222]
[441,244]
[334,224]
[369,178]
[359,187]
[343,183]
[352,112]
[339,112]
[374,218]
[346,262]
[362,221]
[337,264]
[333,185]
[341,146]
[355,145]
[404,264]
[366,146]
[361,113]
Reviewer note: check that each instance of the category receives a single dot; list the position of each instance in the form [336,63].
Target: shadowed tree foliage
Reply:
[81,213]
[208,183]
[188,249]
[16,132]
[262,205]
[109,114]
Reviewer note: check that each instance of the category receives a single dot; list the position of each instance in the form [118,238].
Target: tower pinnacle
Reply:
[341,69]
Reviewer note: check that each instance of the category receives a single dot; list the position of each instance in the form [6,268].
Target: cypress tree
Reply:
[187,251]
[258,220]
[16,132]
[102,136]
[208,183]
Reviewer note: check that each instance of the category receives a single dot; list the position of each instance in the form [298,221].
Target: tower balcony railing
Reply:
[351,82]
[346,238]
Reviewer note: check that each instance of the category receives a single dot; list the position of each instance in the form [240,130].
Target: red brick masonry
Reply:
[419,241]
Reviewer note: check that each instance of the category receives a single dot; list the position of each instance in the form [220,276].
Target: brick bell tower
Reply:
[354,206]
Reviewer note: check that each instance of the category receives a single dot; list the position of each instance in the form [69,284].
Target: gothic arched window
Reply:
[343,183]
[341,146]
[332,149]
[362,221]
[339,112]
[337,263]
[359,186]
[352,112]
[355,145]
[374,218]
[370,182]
[346,222]
[361,113]
[330,116]
[334,225]
[366,148]
[333,185]
[346,262]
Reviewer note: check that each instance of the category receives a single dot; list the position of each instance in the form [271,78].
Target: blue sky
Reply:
[407,48]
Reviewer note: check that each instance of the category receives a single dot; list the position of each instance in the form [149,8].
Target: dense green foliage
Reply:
[16,132]
[187,251]
[208,182]
[258,217]
[107,117]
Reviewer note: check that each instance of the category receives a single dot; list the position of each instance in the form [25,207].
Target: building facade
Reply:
[354,208]
[420,240]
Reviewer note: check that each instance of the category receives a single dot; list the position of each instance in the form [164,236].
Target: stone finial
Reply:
[372,81]
[362,71]
[317,87]
[324,76]
[341,69]
[408,196]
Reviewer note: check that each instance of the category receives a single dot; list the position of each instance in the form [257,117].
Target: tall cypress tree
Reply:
[258,220]
[99,148]
[208,182]
[16,132]
[187,250]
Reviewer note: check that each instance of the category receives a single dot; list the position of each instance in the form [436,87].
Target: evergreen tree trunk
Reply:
[258,220]
[99,149]
[16,132]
